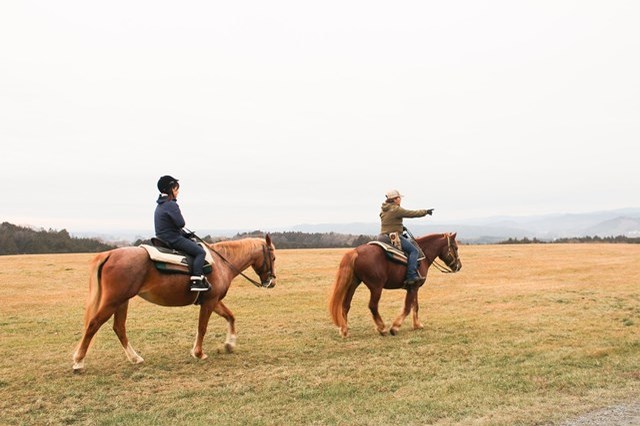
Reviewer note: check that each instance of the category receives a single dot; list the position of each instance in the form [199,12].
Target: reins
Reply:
[235,269]
[251,280]
[445,269]
[442,268]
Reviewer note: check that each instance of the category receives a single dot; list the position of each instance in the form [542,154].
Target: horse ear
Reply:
[454,235]
[268,239]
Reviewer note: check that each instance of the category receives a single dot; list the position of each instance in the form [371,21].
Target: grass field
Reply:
[524,334]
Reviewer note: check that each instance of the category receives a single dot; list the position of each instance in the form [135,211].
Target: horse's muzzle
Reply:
[270,283]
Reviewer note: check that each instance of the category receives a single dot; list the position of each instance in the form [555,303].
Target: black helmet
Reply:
[165,183]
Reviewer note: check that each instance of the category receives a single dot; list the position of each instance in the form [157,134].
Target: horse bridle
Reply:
[447,269]
[267,266]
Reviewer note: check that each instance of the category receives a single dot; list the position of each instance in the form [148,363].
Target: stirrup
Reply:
[199,283]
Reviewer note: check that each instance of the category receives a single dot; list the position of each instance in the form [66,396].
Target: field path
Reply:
[627,414]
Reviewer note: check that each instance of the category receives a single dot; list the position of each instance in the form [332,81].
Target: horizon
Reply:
[133,234]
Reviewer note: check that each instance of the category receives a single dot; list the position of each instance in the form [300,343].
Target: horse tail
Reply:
[344,278]
[95,288]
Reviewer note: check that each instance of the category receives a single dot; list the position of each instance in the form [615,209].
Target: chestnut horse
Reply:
[368,263]
[120,274]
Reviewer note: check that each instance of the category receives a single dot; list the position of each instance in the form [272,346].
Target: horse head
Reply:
[264,266]
[449,253]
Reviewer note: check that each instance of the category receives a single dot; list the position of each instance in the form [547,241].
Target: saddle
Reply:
[393,253]
[169,260]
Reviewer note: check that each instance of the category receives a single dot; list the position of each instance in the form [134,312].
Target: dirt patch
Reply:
[618,415]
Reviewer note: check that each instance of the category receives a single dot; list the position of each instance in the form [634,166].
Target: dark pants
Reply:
[192,249]
[412,257]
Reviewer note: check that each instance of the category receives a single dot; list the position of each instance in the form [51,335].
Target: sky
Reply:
[279,113]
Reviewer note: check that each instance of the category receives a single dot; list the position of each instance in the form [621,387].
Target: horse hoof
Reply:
[393,331]
[136,360]
[78,367]
[199,355]
[228,348]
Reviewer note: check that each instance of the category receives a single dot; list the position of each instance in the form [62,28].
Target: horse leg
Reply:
[409,301]
[417,325]
[203,321]
[222,310]
[373,307]
[119,320]
[346,305]
[93,325]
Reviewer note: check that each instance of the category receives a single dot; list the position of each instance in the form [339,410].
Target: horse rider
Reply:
[169,222]
[391,216]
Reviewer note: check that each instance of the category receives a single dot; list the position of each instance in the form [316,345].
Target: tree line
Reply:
[293,240]
[620,239]
[23,240]
[297,240]
[20,240]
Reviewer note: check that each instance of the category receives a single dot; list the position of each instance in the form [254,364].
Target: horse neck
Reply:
[431,245]
[240,253]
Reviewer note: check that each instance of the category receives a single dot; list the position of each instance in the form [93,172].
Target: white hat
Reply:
[394,193]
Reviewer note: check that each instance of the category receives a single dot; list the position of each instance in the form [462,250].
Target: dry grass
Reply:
[527,334]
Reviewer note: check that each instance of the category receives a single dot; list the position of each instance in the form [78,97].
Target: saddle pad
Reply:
[172,260]
[393,253]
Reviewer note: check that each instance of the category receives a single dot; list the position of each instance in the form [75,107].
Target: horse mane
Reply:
[240,248]
[430,237]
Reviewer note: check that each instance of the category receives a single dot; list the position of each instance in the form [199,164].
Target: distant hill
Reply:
[626,226]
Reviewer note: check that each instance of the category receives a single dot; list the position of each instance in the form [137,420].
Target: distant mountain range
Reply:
[610,223]
[493,229]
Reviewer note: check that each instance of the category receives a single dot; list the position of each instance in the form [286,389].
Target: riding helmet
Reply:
[165,183]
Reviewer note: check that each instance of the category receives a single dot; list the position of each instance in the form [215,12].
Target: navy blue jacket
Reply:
[168,220]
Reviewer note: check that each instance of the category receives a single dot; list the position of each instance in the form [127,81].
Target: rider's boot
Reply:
[417,279]
[199,283]
[413,276]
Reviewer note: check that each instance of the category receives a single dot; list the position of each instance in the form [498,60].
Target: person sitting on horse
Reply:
[169,222]
[391,224]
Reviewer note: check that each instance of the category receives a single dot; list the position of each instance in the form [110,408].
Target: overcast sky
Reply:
[276,113]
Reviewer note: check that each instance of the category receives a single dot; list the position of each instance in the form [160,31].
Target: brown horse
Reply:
[120,274]
[368,263]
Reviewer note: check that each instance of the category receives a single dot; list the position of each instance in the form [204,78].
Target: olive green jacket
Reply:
[391,217]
